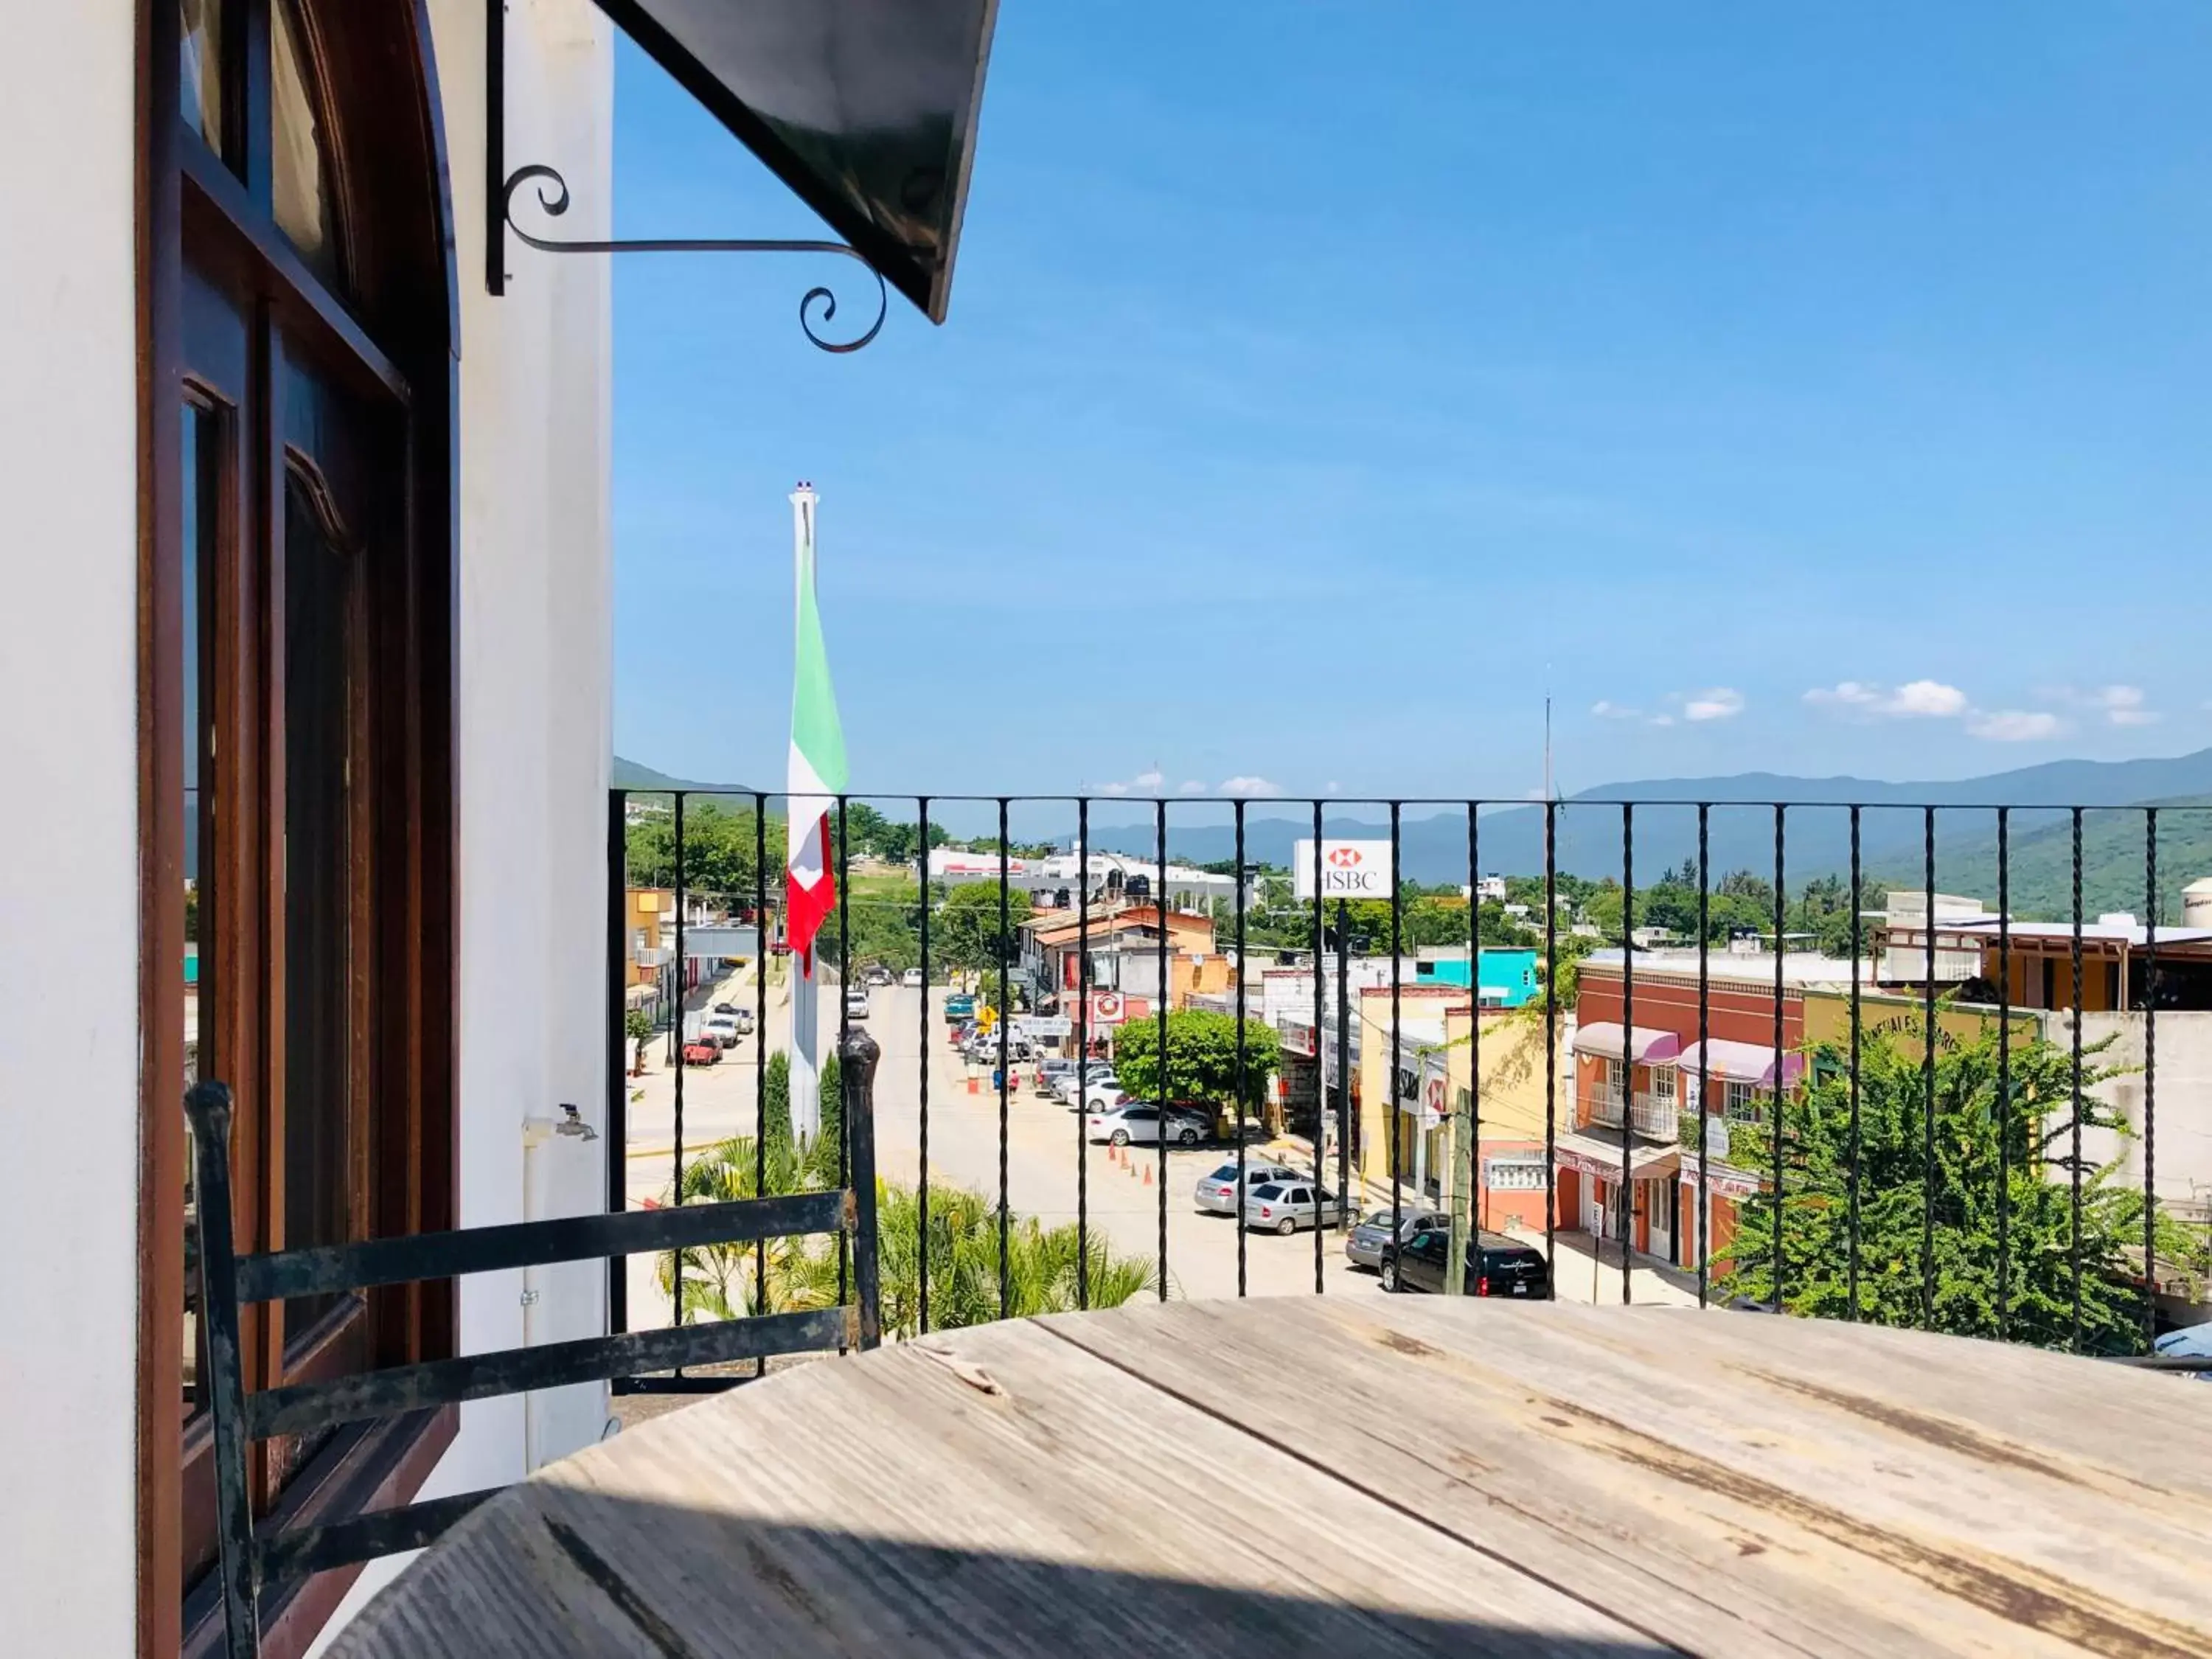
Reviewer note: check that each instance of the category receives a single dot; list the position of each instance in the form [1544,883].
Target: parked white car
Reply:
[1097,1080]
[856,1003]
[911,979]
[1143,1123]
[723,1029]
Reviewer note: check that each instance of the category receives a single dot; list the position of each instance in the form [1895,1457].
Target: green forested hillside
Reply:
[2114,846]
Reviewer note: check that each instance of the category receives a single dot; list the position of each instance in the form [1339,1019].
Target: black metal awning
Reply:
[866,108]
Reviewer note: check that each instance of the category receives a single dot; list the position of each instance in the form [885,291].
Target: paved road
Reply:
[1050,1172]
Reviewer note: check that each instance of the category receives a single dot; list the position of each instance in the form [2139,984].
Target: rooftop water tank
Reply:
[2196,903]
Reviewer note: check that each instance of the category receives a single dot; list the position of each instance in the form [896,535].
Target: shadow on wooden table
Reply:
[541,1580]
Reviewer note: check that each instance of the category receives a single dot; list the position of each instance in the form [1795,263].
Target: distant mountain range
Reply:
[1433,845]
[629,774]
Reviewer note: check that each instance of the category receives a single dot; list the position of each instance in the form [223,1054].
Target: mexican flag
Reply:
[817,771]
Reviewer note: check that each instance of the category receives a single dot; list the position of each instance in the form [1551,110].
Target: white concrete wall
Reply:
[69,871]
[535,705]
[2183,1169]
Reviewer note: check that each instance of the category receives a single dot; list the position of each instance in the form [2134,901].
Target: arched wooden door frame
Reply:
[388,330]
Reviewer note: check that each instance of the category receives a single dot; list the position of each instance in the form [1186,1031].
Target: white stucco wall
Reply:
[2183,1171]
[535,704]
[69,873]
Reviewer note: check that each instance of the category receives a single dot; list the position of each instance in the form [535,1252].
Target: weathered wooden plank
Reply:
[2032,1537]
[904,1505]
[2107,1556]
[1317,1475]
[1484,1464]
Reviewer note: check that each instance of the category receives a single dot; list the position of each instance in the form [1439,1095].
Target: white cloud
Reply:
[1119,789]
[2013,724]
[1845,694]
[1613,711]
[1249,785]
[1191,786]
[1664,719]
[2121,705]
[1151,780]
[1926,700]
[1915,700]
[1328,788]
[1720,703]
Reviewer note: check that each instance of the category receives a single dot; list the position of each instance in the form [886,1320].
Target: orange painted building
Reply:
[1635,1092]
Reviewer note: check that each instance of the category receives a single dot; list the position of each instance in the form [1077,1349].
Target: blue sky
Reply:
[1811,389]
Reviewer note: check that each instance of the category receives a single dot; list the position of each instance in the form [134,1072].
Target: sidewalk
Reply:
[1582,1265]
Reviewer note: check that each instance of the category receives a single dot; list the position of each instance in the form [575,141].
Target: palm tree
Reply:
[720,1281]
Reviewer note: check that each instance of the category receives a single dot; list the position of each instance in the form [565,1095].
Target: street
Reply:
[1051,1172]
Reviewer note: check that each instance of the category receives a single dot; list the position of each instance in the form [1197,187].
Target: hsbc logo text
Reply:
[1342,869]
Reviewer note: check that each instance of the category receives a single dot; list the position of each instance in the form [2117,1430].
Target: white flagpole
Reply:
[806,1022]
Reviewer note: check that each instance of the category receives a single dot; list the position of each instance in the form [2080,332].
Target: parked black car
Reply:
[1496,1266]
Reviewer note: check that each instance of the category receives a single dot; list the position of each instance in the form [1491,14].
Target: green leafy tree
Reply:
[721,844]
[1976,1129]
[637,1026]
[1201,1059]
[965,932]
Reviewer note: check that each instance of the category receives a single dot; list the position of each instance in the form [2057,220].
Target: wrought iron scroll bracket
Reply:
[501,186]
[552,194]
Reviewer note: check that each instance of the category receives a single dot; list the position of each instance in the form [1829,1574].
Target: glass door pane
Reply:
[203,472]
[319,874]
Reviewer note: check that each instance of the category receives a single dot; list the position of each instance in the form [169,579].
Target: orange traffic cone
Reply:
[1148,1174]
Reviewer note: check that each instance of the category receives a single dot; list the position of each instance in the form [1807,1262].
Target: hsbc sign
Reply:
[1349,869]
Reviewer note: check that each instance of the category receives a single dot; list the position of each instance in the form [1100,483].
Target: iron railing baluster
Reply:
[1705,1049]
[1320,1002]
[1552,1044]
[760,1043]
[844,1024]
[1397,1035]
[1781,1055]
[2005,1075]
[1083,1054]
[1928,1175]
[2074,1156]
[1344,1122]
[1004,951]
[921,1102]
[617,1079]
[1627,1052]
[676,1037]
[1160,1012]
[2150,1077]
[1851,1201]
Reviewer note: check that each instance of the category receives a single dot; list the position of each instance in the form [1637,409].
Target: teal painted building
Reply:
[1508,977]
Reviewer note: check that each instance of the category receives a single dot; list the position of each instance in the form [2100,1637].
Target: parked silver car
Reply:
[1285,1206]
[1216,1191]
[1364,1244]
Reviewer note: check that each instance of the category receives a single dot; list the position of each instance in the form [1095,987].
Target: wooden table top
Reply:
[1342,1476]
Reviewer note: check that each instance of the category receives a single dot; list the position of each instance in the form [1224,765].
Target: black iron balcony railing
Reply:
[1979,1156]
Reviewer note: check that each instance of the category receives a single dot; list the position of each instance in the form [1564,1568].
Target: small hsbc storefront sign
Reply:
[1349,869]
[1112,1008]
